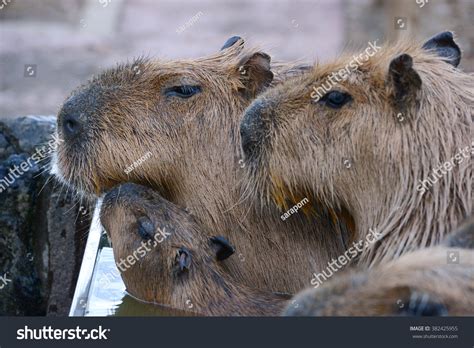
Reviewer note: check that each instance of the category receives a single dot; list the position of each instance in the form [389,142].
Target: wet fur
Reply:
[204,288]
[302,147]
[195,148]
[419,283]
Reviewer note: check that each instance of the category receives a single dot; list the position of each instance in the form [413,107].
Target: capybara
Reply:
[384,141]
[434,281]
[173,126]
[164,259]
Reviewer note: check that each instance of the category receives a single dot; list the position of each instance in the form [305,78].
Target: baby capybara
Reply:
[385,142]
[165,260]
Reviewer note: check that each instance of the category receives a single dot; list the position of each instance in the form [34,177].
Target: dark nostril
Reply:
[72,125]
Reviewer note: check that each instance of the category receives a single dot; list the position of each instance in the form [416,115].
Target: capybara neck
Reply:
[428,192]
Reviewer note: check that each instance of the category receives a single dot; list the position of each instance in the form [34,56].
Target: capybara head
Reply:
[131,123]
[364,133]
[164,259]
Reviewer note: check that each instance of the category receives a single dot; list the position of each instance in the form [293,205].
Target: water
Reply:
[108,295]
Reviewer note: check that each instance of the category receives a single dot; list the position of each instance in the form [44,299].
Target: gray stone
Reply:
[42,230]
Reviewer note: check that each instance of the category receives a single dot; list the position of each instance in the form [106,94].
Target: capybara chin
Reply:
[164,260]
[385,138]
[173,126]
[436,281]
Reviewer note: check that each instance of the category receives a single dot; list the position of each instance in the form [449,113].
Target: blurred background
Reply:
[48,47]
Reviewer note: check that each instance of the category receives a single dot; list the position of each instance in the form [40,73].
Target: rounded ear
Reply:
[444,46]
[255,73]
[404,81]
[231,41]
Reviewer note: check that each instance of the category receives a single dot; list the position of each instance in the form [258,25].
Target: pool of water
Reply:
[108,295]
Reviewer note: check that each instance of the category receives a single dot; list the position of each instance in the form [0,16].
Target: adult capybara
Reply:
[164,259]
[173,126]
[384,140]
[433,281]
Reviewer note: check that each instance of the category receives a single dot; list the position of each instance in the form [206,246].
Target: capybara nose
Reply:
[71,118]
[72,125]
[252,128]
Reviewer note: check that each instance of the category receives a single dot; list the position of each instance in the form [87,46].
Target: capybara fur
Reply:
[434,281]
[179,120]
[365,146]
[170,262]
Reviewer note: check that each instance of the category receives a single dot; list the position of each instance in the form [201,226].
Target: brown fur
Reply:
[204,288]
[195,160]
[300,148]
[419,283]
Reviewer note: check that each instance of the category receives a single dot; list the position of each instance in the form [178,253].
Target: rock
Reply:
[43,229]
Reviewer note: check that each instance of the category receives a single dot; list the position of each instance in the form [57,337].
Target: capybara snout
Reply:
[253,127]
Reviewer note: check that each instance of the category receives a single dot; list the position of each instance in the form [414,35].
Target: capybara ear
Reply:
[255,73]
[444,46]
[231,41]
[223,247]
[404,80]
[463,236]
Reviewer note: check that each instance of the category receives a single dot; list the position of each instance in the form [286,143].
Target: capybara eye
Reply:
[336,99]
[421,305]
[183,259]
[146,229]
[184,91]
